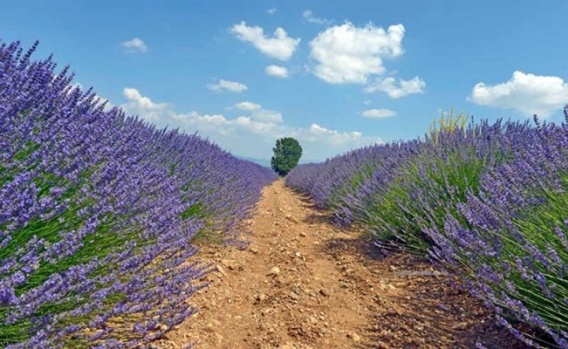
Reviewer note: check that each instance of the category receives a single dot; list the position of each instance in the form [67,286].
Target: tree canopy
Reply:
[287,153]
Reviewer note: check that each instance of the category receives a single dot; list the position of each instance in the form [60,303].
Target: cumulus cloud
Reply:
[334,137]
[248,106]
[143,106]
[526,93]
[280,46]
[268,115]
[259,113]
[276,70]
[397,88]
[349,54]
[135,45]
[309,16]
[378,113]
[271,11]
[231,86]
[249,135]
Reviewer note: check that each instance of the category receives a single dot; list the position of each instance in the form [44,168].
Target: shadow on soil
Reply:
[433,310]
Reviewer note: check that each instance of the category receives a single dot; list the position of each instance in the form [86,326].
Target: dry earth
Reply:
[303,283]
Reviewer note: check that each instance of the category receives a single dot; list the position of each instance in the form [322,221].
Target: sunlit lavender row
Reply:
[487,201]
[98,211]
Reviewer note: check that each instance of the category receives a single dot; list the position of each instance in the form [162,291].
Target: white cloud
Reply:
[259,113]
[228,85]
[334,137]
[143,106]
[268,115]
[135,45]
[281,46]
[258,127]
[349,54]
[367,102]
[248,106]
[271,11]
[527,93]
[309,16]
[234,135]
[275,70]
[397,89]
[378,113]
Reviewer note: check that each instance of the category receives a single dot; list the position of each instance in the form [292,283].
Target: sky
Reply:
[335,75]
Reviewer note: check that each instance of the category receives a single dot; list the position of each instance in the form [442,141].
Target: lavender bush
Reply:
[487,200]
[98,211]
[511,238]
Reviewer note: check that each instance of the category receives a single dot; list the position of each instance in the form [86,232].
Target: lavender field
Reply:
[98,211]
[487,202]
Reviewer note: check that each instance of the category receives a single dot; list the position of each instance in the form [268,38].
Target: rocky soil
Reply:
[304,284]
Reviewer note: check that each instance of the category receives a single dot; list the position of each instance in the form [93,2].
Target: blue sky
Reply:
[336,75]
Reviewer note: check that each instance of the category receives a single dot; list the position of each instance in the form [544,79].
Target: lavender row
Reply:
[487,201]
[98,211]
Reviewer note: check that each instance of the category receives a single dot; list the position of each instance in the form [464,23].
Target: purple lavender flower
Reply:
[487,202]
[98,211]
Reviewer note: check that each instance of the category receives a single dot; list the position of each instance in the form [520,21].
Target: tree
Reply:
[287,153]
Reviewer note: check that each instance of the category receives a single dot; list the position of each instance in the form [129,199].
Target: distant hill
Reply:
[262,162]
[266,163]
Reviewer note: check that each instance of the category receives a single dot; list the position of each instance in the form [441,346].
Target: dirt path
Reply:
[304,284]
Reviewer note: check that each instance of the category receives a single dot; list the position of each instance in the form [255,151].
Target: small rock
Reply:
[220,270]
[229,263]
[291,218]
[294,296]
[274,271]
[324,292]
[302,234]
[354,336]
